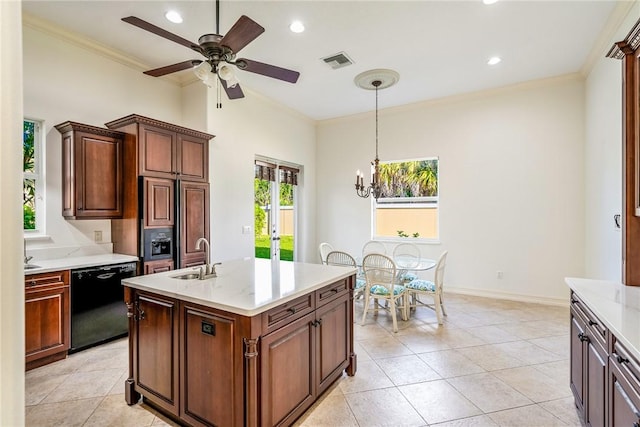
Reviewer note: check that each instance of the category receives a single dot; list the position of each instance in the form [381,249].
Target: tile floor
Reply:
[493,363]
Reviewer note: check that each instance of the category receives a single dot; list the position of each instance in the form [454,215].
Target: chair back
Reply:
[323,250]
[379,270]
[408,253]
[373,247]
[340,258]
[438,278]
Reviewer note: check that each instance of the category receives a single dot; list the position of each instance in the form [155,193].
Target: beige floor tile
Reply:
[565,409]
[450,363]
[85,384]
[488,392]
[526,416]
[368,377]
[536,329]
[492,334]
[68,414]
[478,421]
[119,386]
[422,340]
[384,407]
[559,369]
[458,338]
[535,385]
[114,411]
[491,357]
[438,401]
[38,387]
[332,411]
[111,358]
[384,347]
[529,353]
[369,331]
[407,370]
[558,344]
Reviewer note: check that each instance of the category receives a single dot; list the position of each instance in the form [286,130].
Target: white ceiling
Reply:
[440,48]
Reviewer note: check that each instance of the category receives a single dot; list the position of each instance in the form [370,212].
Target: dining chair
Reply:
[382,284]
[323,250]
[343,258]
[420,287]
[373,247]
[410,256]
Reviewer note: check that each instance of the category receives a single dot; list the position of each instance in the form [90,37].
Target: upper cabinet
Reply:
[92,171]
[166,150]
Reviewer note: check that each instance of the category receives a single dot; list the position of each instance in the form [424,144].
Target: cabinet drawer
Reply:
[331,292]
[287,312]
[627,364]
[43,281]
[595,329]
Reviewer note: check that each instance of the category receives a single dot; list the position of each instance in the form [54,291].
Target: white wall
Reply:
[511,183]
[11,275]
[603,155]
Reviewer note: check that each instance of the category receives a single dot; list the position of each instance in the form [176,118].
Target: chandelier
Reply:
[374,79]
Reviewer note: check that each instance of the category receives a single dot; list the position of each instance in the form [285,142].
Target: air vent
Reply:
[338,60]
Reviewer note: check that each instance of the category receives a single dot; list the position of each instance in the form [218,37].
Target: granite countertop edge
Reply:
[49,265]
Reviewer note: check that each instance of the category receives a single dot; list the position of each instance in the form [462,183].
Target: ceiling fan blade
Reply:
[269,70]
[161,32]
[232,92]
[185,65]
[243,32]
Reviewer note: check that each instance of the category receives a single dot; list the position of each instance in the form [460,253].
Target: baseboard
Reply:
[488,293]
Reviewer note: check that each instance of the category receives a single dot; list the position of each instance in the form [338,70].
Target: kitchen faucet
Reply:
[26,258]
[208,270]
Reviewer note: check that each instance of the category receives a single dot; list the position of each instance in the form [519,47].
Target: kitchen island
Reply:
[254,346]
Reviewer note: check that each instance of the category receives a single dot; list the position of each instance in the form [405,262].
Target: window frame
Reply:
[434,201]
[38,175]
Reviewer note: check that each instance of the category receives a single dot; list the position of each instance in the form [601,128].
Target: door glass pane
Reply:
[262,217]
[286,222]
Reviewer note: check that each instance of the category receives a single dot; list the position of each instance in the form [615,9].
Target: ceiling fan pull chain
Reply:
[218,97]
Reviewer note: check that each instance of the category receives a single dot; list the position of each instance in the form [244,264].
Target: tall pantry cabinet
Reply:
[165,187]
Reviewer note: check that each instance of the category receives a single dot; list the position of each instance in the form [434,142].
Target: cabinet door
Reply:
[193,158]
[158,266]
[159,202]
[157,152]
[577,360]
[194,222]
[332,325]
[596,385]
[156,350]
[47,321]
[288,383]
[624,400]
[209,365]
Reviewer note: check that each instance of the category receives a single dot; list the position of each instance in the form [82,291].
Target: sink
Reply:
[187,276]
[30,266]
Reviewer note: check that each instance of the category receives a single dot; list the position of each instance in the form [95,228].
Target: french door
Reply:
[275,210]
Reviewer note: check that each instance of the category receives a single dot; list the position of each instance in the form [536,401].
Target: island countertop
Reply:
[616,305]
[246,286]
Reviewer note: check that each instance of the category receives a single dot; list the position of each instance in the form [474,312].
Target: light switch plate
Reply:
[97,236]
[246,229]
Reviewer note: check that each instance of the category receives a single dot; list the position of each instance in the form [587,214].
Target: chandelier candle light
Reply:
[374,79]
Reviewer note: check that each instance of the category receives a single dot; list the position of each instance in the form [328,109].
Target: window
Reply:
[33,181]
[408,207]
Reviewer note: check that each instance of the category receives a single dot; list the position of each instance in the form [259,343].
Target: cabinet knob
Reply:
[583,337]
[621,360]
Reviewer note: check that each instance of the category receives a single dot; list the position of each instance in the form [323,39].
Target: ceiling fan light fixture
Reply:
[296,27]
[226,73]
[173,16]
[203,72]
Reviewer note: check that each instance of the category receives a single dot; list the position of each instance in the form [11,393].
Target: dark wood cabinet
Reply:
[92,172]
[624,388]
[155,356]
[47,318]
[232,370]
[157,151]
[159,202]
[159,266]
[194,222]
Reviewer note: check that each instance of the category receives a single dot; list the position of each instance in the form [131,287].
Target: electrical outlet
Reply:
[500,274]
[97,236]
[246,229]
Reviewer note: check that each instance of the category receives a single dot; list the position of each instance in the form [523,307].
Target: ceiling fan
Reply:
[219,52]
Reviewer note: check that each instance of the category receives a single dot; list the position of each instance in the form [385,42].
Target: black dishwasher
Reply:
[98,311]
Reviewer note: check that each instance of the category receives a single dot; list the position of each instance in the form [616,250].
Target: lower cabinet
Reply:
[47,318]
[605,379]
[160,266]
[209,367]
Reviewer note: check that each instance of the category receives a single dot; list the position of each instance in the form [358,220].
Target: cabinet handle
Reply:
[583,337]
[141,315]
[317,322]
[292,310]
[621,359]
[591,323]
[335,290]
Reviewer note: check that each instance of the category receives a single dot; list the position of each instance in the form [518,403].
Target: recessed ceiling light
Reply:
[489,1]
[296,27]
[173,16]
[494,60]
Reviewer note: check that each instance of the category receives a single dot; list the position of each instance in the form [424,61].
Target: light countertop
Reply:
[246,286]
[48,265]
[616,305]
